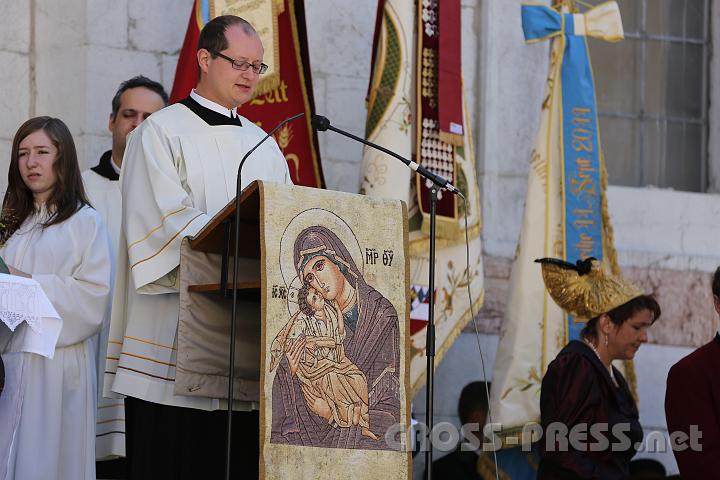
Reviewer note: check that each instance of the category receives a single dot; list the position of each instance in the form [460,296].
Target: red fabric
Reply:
[693,398]
[186,72]
[449,68]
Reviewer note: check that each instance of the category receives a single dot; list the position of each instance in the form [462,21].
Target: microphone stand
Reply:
[322,123]
[233,319]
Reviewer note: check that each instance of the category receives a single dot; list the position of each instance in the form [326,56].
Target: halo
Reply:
[309,218]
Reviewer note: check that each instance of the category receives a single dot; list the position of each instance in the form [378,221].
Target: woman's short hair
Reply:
[621,314]
[68,194]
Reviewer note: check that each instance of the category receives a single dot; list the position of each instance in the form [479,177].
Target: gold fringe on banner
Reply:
[267,84]
[452,138]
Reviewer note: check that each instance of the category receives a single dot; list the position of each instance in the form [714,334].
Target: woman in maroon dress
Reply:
[588,414]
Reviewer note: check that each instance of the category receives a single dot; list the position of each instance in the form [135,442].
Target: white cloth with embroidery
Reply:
[23,300]
[178,172]
[54,436]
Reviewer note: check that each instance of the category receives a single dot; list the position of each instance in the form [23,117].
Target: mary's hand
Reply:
[294,354]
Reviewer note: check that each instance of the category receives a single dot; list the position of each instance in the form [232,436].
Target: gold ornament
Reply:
[584,289]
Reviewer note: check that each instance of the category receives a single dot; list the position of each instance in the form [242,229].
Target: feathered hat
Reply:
[583,289]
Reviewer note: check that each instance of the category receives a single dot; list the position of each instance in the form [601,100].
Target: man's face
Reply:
[230,87]
[136,104]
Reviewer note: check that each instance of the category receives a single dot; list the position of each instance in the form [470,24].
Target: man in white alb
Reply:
[133,102]
[179,170]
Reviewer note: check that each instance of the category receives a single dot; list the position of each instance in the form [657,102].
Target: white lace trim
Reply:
[21,303]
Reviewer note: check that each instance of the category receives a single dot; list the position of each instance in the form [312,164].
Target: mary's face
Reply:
[324,276]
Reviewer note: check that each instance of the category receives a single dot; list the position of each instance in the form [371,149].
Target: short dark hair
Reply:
[474,396]
[302,300]
[621,314]
[212,37]
[716,283]
[135,82]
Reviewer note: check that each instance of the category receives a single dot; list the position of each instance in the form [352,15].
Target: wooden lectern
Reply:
[322,327]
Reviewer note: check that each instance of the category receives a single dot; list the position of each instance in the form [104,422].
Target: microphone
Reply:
[322,124]
[277,127]
[236,254]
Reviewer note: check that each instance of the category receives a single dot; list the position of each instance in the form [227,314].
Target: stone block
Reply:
[107,23]
[345,105]
[497,278]
[5,148]
[90,149]
[167,74]
[502,204]
[513,90]
[15,98]
[470,48]
[319,85]
[60,79]
[15,26]
[103,79]
[652,364]
[688,316]
[158,26]
[339,175]
[59,25]
[340,43]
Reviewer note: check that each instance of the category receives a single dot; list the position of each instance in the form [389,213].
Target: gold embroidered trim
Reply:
[110,421]
[148,374]
[148,359]
[162,221]
[166,243]
[147,341]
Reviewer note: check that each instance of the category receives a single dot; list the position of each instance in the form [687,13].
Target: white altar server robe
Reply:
[55,437]
[104,195]
[178,171]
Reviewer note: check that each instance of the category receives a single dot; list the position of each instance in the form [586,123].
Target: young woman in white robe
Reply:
[61,242]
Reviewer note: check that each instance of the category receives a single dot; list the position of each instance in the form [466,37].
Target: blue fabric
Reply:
[205,11]
[582,195]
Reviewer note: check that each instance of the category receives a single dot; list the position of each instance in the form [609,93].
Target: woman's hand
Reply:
[19,273]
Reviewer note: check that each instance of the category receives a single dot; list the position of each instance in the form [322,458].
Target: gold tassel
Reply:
[612,262]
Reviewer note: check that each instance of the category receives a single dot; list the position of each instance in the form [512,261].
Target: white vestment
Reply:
[104,196]
[178,172]
[55,437]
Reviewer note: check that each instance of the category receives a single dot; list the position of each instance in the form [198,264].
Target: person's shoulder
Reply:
[251,129]
[697,361]
[87,215]
[91,178]
[165,119]
[575,356]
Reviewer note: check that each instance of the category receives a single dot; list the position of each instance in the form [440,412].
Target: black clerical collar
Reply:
[105,168]
[210,117]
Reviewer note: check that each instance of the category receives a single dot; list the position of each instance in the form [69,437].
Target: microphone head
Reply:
[320,123]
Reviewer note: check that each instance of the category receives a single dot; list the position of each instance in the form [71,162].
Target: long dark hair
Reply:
[67,196]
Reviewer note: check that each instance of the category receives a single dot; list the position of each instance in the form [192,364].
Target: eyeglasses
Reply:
[243,66]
